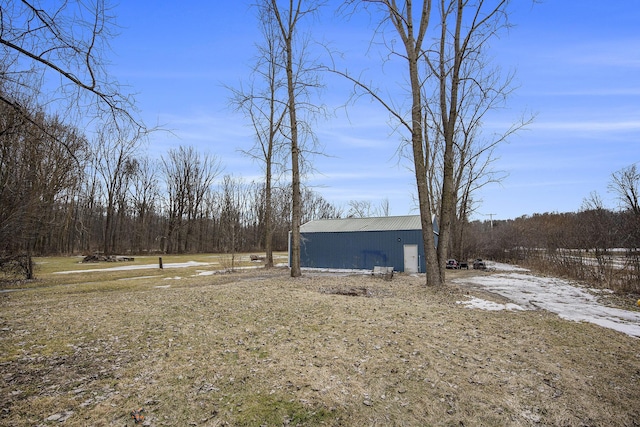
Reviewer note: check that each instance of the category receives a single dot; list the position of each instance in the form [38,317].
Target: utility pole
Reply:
[490,215]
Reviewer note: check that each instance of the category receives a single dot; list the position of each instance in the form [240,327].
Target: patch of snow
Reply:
[205,273]
[489,305]
[557,296]
[163,286]
[499,266]
[337,271]
[140,267]
[226,270]
[247,267]
[601,291]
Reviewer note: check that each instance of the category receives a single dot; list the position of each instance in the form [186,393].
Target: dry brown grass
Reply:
[260,348]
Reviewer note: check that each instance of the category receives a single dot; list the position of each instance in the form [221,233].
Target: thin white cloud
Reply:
[618,53]
[588,126]
[587,91]
[334,138]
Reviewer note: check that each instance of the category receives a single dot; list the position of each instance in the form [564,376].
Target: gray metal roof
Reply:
[409,222]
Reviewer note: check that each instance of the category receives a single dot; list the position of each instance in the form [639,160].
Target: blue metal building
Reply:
[364,243]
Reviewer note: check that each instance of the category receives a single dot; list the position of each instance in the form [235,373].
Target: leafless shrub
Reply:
[352,292]
[598,268]
[16,266]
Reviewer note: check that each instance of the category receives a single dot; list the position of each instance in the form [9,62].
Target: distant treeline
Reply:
[592,229]
[61,193]
[595,245]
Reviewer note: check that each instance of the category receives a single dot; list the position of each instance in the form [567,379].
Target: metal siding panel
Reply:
[388,223]
[359,250]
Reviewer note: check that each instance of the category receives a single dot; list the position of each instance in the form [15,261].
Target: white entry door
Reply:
[410,258]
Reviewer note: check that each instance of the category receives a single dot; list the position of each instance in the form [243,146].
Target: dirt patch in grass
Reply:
[260,348]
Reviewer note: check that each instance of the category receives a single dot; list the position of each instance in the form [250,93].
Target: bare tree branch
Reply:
[68,40]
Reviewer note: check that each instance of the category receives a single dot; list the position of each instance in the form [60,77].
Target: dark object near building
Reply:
[385,272]
[364,243]
[463,265]
[107,258]
[452,264]
[478,264]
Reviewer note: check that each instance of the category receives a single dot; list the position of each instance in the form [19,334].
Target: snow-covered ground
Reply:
[529,292]
[141,267]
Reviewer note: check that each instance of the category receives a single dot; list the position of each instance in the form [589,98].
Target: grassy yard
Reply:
[258,348]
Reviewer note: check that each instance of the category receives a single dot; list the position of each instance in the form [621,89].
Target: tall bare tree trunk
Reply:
[268,218]
[287,30]
[449,116]
[296,212]
[404,24]
[433,276]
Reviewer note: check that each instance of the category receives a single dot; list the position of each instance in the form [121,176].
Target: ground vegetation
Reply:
[261,348]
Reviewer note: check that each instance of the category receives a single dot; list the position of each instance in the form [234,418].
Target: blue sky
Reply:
[577,69]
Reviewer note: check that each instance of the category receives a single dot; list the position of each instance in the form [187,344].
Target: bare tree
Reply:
[144,195]
[299,82]
[316,207]
[465,88]
[65,41]
[364,209]
[263,103]
[233,210]
[625,183]
[445,111]
[480,89]
[113,159]
[281,215]
[205,169]
[359,209]
[188,175]
[37,176]
[592,202]
[411,29]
